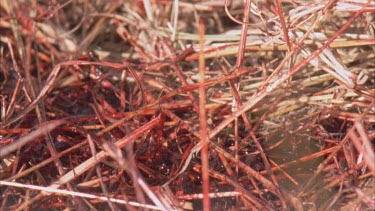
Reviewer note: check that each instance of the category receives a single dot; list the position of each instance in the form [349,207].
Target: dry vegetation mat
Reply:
[187,105]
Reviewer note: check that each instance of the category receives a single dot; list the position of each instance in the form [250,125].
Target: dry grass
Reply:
[182,105]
